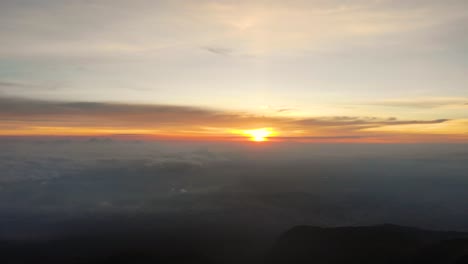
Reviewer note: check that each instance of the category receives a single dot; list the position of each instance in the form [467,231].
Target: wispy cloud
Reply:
[255,26]
[9,87]
[364,121]
[282,110]
[219,50]
[452,102]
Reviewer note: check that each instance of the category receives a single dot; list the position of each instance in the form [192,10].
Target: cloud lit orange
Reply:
[27,117]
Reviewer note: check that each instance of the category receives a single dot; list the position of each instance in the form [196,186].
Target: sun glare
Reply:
[259,135]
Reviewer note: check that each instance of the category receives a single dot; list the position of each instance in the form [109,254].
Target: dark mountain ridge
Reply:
[384,244]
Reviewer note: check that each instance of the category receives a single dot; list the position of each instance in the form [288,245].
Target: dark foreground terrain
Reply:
[301,244]
[371,244]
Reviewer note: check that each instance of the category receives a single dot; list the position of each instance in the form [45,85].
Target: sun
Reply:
[259,135]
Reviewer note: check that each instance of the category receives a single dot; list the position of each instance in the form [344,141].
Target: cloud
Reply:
[363,122]
[10,84]
[12,87]
[36,117]
[280,109]
[285,182]
[121,118]
[219,50]
[452,102]
[50,159]
[121,28]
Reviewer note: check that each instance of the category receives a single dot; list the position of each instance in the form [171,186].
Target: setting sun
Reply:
[259,135]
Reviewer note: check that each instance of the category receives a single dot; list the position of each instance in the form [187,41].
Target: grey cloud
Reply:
[24,112]
[14,86]
[366,121]
[7,85]
[10,84]
[218,50]
[26,107]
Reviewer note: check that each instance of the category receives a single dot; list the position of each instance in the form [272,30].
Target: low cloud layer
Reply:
[280,185]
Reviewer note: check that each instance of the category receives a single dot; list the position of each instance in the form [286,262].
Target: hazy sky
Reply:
[278,61]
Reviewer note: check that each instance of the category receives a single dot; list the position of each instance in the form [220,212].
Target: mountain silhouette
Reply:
[383,244]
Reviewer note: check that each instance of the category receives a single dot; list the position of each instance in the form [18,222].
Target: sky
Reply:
[341,71]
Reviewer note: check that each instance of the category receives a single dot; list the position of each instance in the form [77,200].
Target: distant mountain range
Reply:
[381,244]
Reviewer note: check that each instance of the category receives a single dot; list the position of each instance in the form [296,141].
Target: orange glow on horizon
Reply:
[433,133]
[259,135]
